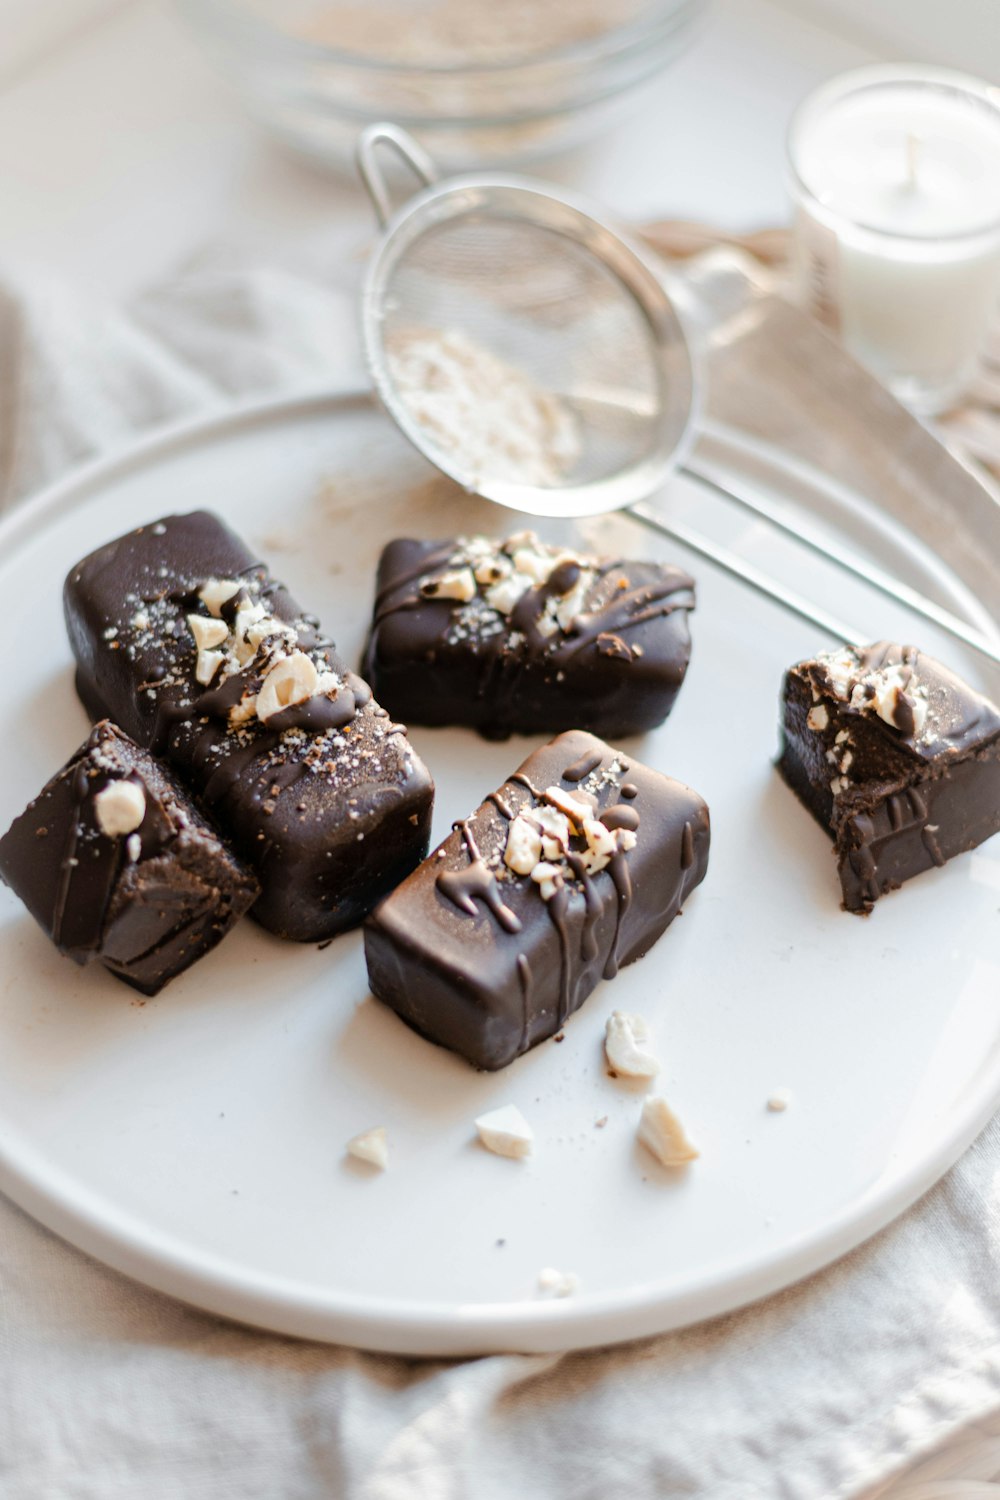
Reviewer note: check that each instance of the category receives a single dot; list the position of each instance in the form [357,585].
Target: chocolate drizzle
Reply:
[895,757]
[582,767]
[616,665]
[490,993]
[362,776]
[463,888]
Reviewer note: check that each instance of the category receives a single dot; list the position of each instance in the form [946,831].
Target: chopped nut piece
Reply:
[207,633]
[207,665]
[524,847]
[600,840]
[779,1100]
[504,595]
[371,1146]
[214,593]
[491,569]
[817,717]
[575,809]
[120,808]
[506,1132]
[460,584]
[624,1040]
[548,878]
[291,680]
[662,1133]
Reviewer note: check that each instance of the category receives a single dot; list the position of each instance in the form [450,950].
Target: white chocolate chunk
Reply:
[625,1041]
[119,808]
[371,1146]
[214,593]
[293,679]
[506,1132]
[817,717]
[207,633]
[460,585]
[524,847]
[662,1133]
[207,665]
[558,1283]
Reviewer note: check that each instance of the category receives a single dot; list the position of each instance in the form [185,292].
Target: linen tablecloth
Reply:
[109,1391]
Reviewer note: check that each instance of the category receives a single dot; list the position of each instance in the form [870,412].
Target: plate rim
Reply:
[216,1285]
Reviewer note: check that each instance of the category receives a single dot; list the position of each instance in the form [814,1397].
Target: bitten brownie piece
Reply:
[893,755]
[572,869]
[114,861]
[183,638]
[519,636]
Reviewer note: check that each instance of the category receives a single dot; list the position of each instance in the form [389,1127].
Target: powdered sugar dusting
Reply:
[489,419]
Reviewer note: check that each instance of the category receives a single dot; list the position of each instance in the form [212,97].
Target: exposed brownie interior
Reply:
[115,863]
[896,757]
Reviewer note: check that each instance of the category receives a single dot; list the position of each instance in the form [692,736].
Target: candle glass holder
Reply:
[894,174]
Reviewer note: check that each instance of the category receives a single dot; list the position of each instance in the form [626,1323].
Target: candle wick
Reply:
[913,145]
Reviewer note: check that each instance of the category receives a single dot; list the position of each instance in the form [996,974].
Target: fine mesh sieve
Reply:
[532,355]
[579,381]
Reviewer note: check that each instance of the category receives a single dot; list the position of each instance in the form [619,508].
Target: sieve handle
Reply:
[406,148]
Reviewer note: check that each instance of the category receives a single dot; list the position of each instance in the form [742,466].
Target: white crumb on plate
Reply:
[506,1132]
[626,1039]
[558,1283]
[371,1146]
[779,1100]
[662,1133]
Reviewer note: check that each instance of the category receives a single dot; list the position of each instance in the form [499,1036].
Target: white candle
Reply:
[896,176]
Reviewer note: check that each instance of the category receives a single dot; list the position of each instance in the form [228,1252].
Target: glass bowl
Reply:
[480,82]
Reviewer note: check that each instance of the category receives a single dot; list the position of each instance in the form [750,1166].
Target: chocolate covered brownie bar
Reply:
[520,636]
[115,863]
[893,755]
[186,640]
[574,867]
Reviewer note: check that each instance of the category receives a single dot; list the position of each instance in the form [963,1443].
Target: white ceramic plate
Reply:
[196,1141]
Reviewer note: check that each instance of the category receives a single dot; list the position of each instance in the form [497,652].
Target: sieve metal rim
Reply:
[536,203]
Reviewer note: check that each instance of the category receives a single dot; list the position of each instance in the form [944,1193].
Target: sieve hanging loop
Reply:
[406,148]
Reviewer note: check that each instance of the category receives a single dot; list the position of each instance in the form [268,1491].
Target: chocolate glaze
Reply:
[146,908]
[616,671]
[906,800]
[328,802]
[466,979]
